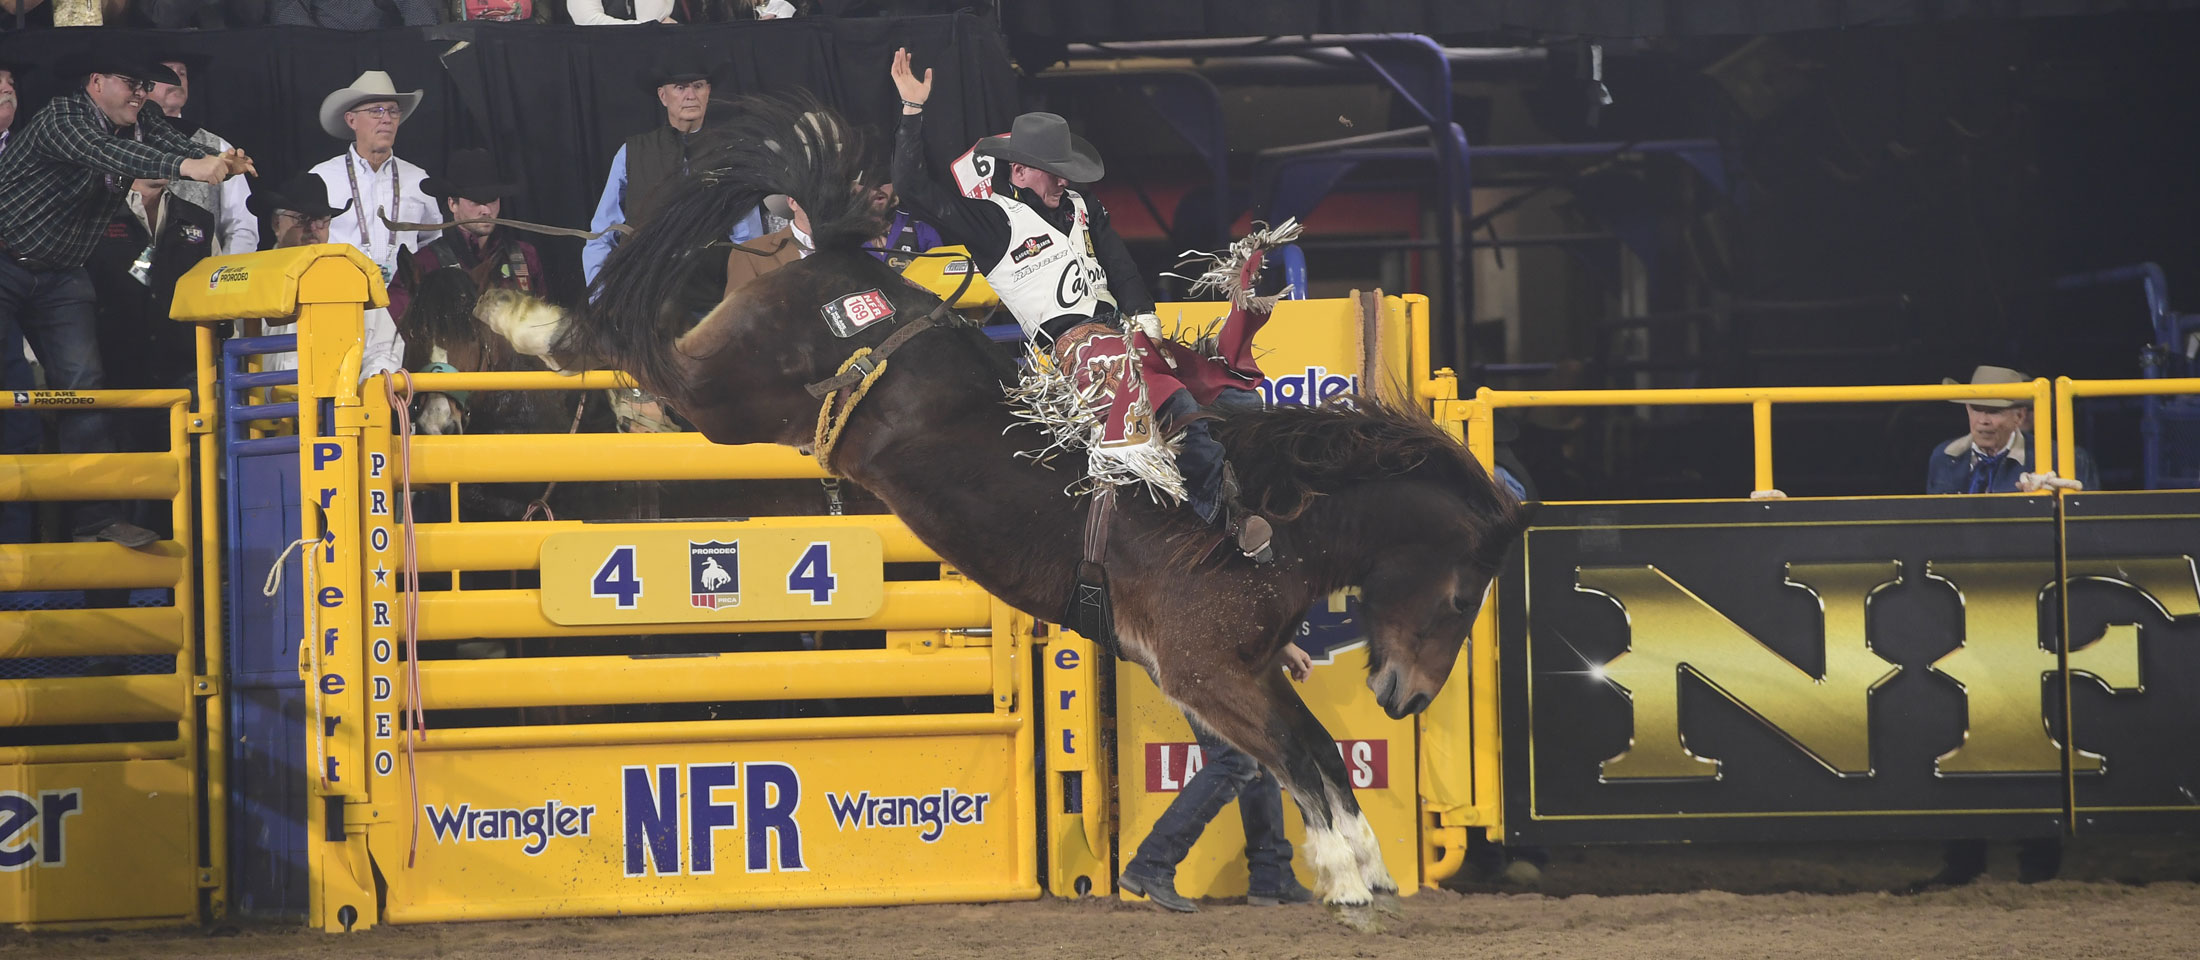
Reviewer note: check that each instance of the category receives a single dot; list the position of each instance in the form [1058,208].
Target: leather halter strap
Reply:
[863,366]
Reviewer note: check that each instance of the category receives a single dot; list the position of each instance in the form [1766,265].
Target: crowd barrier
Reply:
[576,716]
[110,680]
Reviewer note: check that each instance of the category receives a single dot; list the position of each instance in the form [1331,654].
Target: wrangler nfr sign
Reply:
[1851,668]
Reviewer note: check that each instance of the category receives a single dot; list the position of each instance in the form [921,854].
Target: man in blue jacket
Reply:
[1997,451]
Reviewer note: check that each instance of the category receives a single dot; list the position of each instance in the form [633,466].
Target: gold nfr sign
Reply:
[2000,665]
[1831,669]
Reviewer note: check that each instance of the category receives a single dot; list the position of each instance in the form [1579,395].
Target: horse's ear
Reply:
[408,275]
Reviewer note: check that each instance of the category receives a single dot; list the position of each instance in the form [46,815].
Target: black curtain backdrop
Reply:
[551,102]
[1035,23]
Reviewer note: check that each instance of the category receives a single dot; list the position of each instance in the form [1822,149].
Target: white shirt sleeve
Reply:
[239,229]
[385,350]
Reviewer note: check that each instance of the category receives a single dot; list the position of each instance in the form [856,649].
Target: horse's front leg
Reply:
[1339,842]
[1259,713]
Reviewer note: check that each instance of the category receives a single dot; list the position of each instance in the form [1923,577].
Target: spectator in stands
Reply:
[61,185]
[235,229]
[1994,456]
[353,14]
[298,215]
[501,10]
[135,266]
[649,161]
[378,184]
[492,253]
[905,236]
[8,73]
[605,13]
[1228,773]
[755,258]
[19,429]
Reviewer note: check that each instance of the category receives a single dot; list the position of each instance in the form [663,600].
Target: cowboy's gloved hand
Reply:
[1150,325]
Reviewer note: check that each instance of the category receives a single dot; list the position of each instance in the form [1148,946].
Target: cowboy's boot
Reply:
[1255,535]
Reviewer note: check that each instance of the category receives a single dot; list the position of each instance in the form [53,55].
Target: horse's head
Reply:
[452,325]
[1382,498]
[1420,599]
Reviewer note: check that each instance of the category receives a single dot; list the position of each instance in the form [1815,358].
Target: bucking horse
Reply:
[1376,497]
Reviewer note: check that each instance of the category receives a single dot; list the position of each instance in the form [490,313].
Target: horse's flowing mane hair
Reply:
[442,308]
[1288,457]
[768,145]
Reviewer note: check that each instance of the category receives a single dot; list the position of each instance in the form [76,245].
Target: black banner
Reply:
[1850,668]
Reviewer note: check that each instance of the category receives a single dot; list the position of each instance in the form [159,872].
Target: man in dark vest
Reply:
[653,160]
[492,253]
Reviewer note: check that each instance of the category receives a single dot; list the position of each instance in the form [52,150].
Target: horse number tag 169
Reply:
[850,314]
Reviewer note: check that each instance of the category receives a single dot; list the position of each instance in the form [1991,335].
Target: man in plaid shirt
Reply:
[62,179]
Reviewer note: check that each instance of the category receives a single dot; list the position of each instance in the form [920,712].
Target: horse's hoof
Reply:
[1359,916]
[1388,903]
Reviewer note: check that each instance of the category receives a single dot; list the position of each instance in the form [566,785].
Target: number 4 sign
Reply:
[731,573]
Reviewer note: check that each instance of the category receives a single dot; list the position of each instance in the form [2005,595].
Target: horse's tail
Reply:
[763,146]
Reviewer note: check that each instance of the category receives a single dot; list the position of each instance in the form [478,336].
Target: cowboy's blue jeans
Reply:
[53,310]
[1228,775]
[1199,457]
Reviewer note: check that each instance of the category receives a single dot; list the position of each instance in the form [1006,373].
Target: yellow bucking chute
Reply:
[943,274]
[273,283]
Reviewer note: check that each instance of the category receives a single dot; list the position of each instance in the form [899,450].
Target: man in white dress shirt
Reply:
[372,181]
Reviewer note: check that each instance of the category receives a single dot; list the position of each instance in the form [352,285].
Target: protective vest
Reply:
[1044,273]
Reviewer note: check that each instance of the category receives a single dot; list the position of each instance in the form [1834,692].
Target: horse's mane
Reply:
[1287,458]
[769,145]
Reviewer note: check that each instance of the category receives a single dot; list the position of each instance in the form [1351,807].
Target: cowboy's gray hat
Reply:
[1987,374]
[372,85]
[1043,140]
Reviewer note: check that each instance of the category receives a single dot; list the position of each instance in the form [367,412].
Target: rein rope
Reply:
[416,717]
[830,425]
[543,502]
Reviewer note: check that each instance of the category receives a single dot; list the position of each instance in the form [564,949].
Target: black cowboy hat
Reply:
[675,66]
[194,62]
[16,69]
[116,61]
[473,175]
[1043,140]
[303,193]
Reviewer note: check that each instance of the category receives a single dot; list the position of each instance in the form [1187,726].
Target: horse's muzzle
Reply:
[1390,694]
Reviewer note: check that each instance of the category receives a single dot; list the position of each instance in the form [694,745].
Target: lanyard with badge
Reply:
[359,209]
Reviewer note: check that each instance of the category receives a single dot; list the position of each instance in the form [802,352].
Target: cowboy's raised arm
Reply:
[976,224]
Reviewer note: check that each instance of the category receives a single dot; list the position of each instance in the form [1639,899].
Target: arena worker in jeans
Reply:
[1227,774]
[63,178]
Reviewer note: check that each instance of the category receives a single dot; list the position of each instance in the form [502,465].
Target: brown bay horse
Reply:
[1377,498]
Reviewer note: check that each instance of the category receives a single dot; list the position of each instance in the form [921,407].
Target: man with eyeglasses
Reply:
[648,162]
[377,184]
[298,215]
[62,180]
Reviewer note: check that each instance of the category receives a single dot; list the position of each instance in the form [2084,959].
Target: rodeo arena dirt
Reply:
[826,478]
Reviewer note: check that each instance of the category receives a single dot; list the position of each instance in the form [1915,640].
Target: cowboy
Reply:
[905,236]
[492,253]
[1994,456]
[1065,275]
[379,185]
[298,214]
[135,265]
[234,226]
[9,72]
[648,162]
[61,182]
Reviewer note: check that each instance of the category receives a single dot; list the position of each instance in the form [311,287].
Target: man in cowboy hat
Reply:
[353,14]
[1065,275]
[61,183]
[9,74]
[379,184]
[1994,456]
[235,229]
[493,253]
[297,213]
[649,162]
